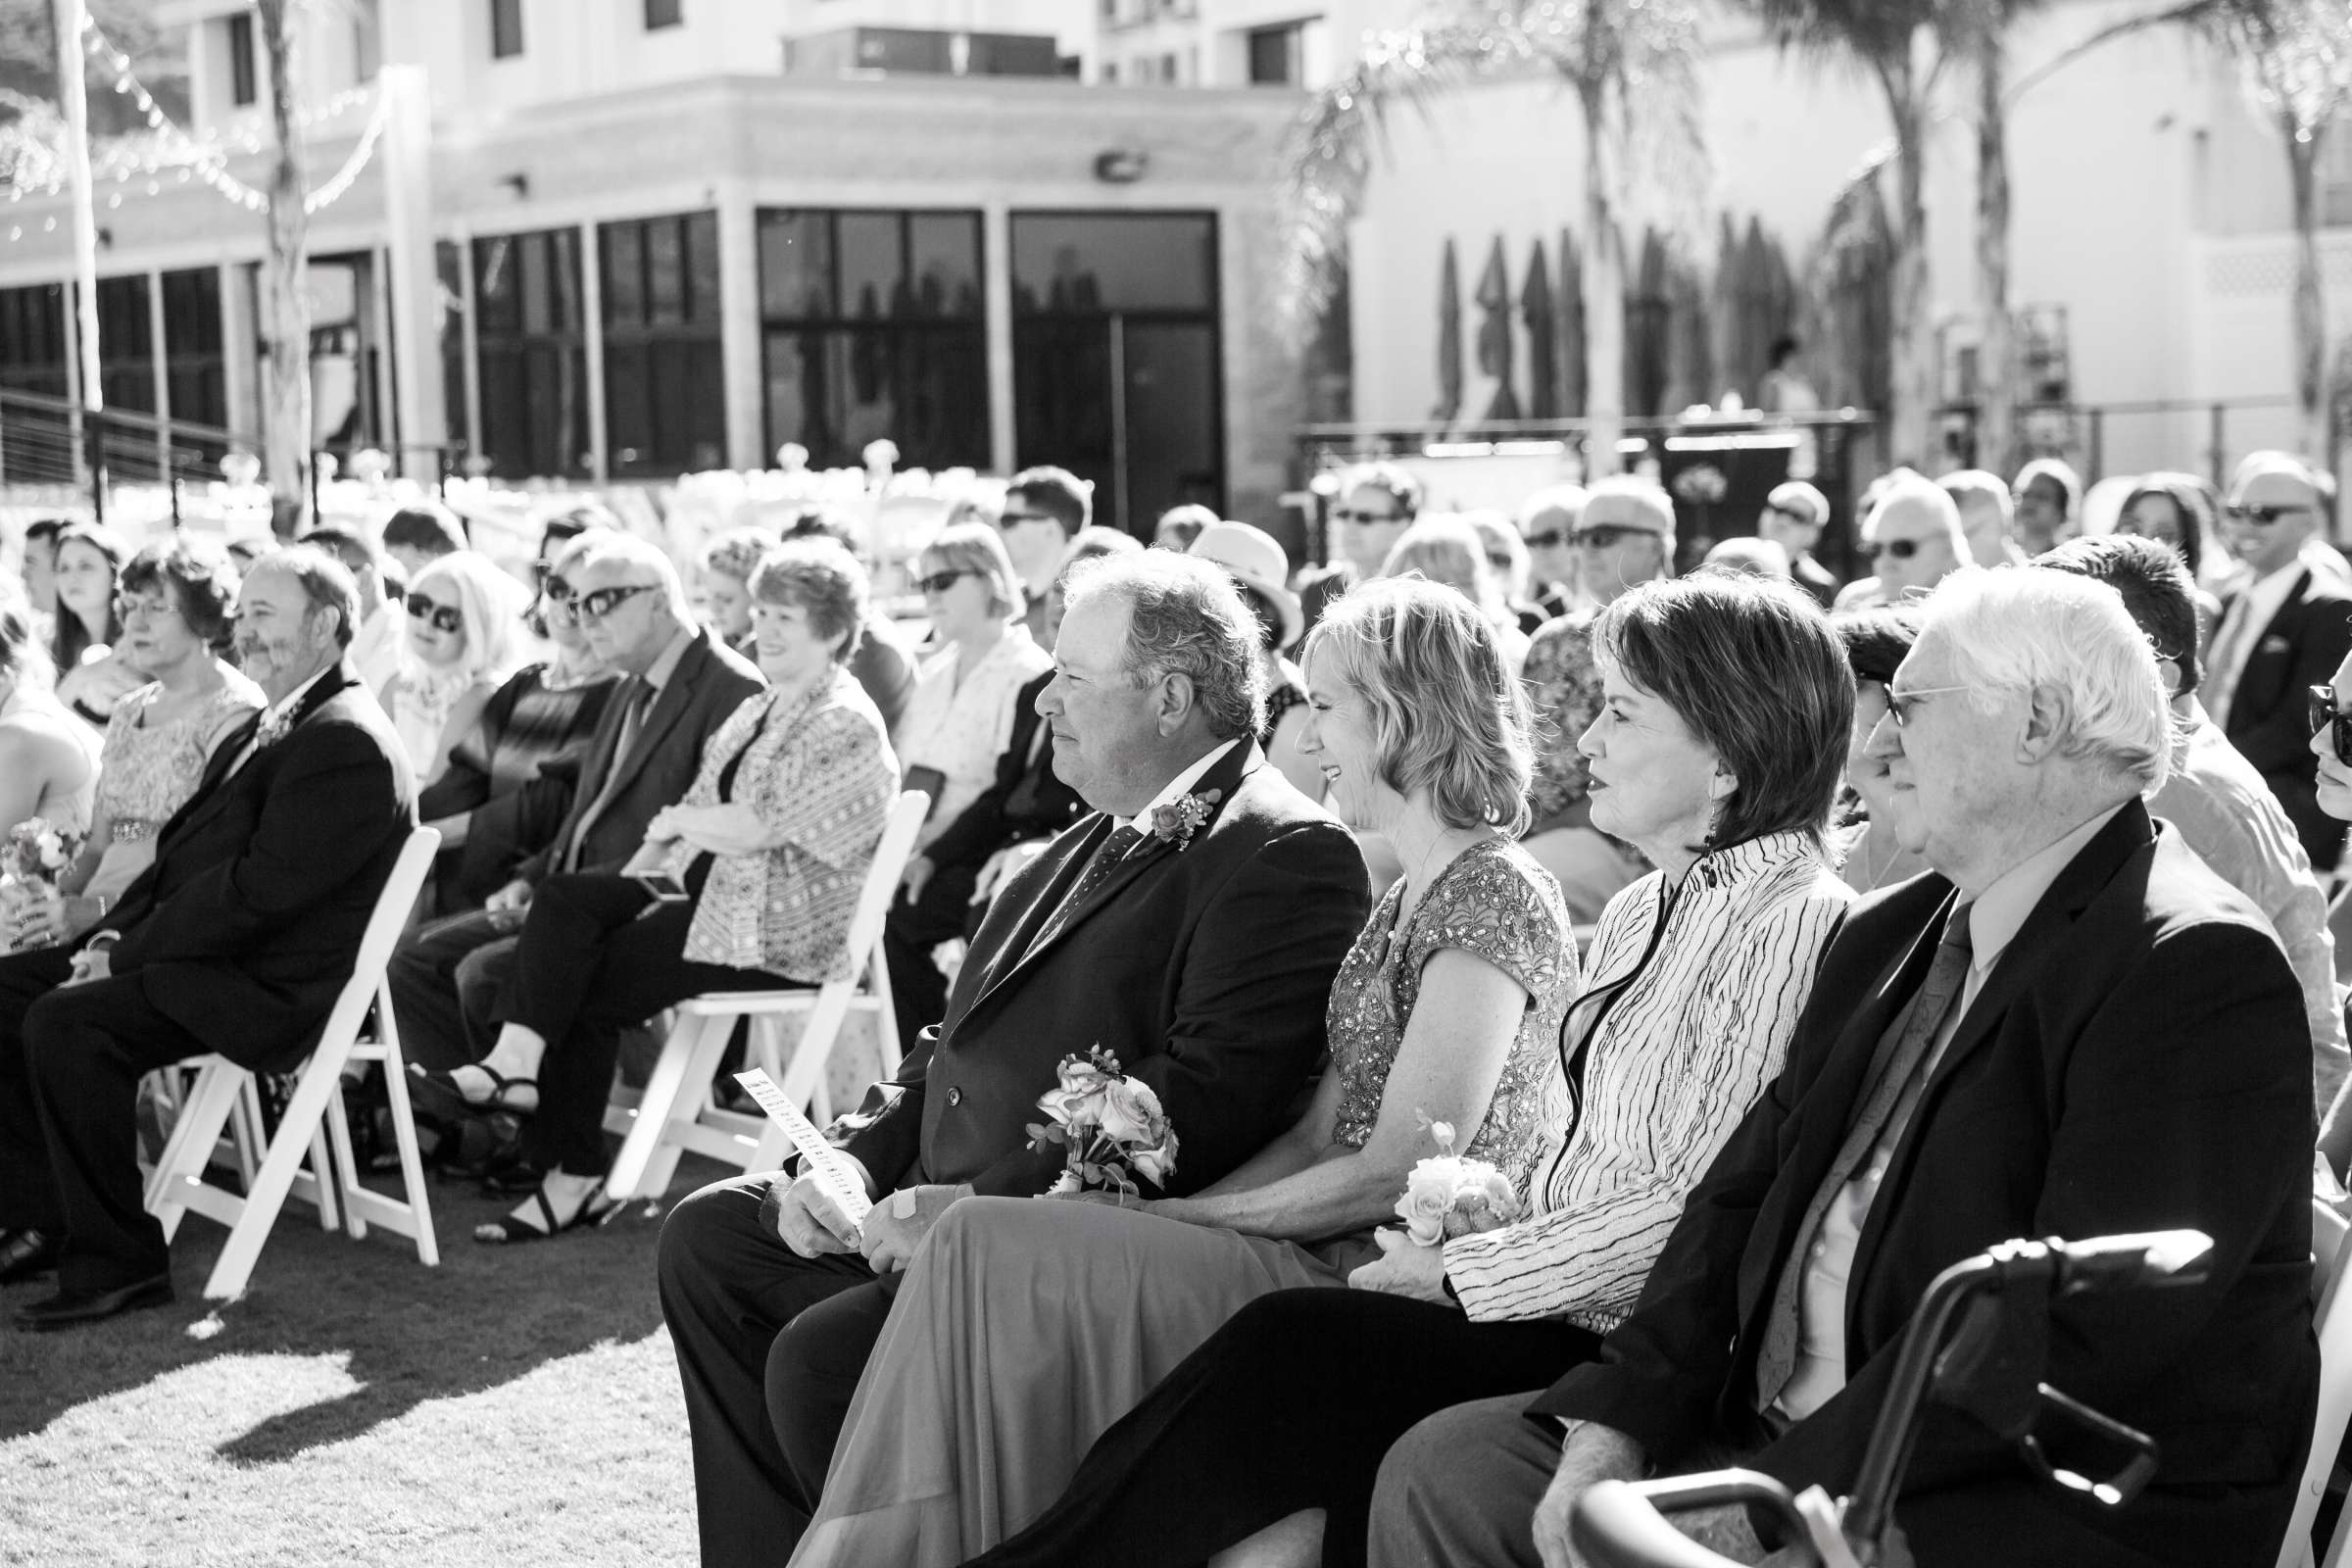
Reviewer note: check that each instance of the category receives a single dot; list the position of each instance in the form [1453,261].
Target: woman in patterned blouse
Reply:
[762,862]
[1055,1318]
[1716,751]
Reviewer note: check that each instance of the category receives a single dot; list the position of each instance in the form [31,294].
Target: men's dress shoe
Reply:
[67,1308]
[28,1254]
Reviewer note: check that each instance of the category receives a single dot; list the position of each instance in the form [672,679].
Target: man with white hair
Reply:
[2282,633]
[1985,516]
[1912,537]
[2072,1027]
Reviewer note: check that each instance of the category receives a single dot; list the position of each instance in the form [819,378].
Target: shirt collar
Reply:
[2002,908]
[281,712]
[667,665]
[1177,787]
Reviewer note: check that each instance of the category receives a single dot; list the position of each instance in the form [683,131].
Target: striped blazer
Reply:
[1692,996]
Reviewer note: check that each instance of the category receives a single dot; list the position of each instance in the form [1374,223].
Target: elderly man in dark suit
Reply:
[681,684]
[237,940]
[1200,956]
[2072,1028]
[2282,633]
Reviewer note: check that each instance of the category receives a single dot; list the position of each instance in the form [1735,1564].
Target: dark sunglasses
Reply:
[2261,516]
[1546,540]
[939,582]
[1350,514]
[2320,712]
[602,602]
[445,617]
[1800,518]
[1899,549]
[1604,535]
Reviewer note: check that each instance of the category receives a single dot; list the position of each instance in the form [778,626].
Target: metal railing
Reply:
[53,441]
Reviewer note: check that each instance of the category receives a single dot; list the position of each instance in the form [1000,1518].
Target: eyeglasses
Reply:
[1500,562]
[604,601]
[1604,535]
[445,617]
[2261,516]
[939,582]
[1802,519]
[1013,520]
[150,608]
[1546,540]
[1898,704]
[2321,711]
[1354,514]
[1899,549]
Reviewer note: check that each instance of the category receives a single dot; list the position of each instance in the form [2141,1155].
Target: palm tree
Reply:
[1902,44]
[285,299]
[1632,64]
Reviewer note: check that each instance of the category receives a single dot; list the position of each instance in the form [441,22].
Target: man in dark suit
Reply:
[2283,632]
[2074,1028]
[1202,960]
[237,940]
[681,683]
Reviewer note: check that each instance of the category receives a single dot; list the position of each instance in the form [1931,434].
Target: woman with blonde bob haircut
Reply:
[1023,1329]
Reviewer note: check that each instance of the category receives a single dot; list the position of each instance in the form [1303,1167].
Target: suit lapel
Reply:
[669,704]
[1225,777]
[2028,954]
[210,791]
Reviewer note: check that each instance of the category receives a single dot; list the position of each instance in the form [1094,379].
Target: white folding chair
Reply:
[675,1115]
[224,1097]
[2331,1320]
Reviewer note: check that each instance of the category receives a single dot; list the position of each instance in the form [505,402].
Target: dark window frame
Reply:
[506,29]
[514,337]
[244,80]
[897,346]
[660,357]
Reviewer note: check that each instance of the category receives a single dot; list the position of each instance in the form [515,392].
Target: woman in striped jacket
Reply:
[1719,746]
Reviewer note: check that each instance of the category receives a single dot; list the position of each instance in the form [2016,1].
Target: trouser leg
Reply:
[27,1192]
[1460,1489]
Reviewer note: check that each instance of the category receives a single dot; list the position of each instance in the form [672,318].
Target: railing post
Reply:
[2098,445]
[2216,451]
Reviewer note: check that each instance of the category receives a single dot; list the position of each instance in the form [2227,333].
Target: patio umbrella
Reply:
[1495,332]
[1449,340]
[1568,314]
[1542,344]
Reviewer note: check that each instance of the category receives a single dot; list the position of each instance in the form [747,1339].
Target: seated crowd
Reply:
[1776,942]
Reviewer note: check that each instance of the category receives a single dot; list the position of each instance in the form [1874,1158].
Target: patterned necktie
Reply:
[1098,872]
[1899,1072]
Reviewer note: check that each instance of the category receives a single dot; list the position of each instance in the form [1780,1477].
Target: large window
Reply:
[32,339]
[194,367]
[666,408]
[506,29]
[872,327]
[126,345]
[534,364]
[1115,356]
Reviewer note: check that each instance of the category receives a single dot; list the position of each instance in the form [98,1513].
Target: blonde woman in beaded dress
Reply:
[1024,1328]
[173,605]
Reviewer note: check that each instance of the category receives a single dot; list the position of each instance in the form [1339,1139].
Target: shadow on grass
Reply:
[487,1316]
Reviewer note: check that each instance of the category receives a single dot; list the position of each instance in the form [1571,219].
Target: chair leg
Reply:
[273,1180]
[807,1071]
[404,1135]
[890,1048]
[347,1168]
[647,1158]
[205,1111]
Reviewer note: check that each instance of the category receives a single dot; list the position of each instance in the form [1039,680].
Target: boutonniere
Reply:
[273,728]
[1177,821]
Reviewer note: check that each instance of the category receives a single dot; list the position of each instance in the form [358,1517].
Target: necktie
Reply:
[1098,872]
[1899,1071]
[632,720]
[2237,627]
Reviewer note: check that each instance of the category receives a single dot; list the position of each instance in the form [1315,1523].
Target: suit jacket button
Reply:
[954,1097]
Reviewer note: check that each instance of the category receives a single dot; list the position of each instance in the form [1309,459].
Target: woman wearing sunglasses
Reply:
[960,719]
[460,646]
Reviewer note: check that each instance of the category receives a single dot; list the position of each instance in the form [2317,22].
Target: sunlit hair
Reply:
[1185,617]
[69,638]
[2059,472]
[1981,488]
[1568,500]
[600,546]
[324,580]
[1878,641]
[196,578]
[1505,552]
[1757,672]
[1448,551]
[820,577]
[2191,502]
[1447,715]
[975,547]
[2020,631]
[489,605]
[737,552]
[1913,493]
[2157,592]
[1397,483]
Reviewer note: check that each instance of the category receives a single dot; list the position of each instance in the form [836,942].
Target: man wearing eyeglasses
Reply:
[1794,514]
[680,684]
[1044,510]
[1912,537]
[1378,502]
[1548,522]
[2282,633]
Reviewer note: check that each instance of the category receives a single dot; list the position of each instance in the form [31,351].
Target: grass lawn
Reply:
[513,1406]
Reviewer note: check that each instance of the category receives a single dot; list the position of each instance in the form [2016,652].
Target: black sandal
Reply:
[502,1089]
[508,1231]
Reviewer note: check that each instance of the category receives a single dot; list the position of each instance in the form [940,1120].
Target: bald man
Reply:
[2282,633]
[1912,535]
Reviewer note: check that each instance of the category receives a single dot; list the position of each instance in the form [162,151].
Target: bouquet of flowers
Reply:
[37,855]
[1110,1127]
[1450,1195]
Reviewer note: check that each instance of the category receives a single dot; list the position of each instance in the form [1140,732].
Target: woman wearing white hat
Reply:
[1260,569]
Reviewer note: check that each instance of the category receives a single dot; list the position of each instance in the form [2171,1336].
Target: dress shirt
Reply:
[2241,633]
[1993,920]
[1176,786]
[2224,811]
[277,713]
